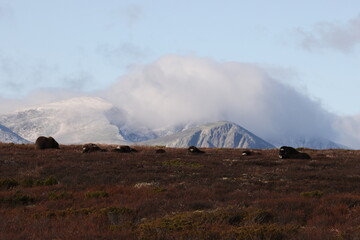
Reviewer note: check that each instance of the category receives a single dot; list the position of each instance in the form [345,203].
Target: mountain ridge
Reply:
[219,134]
[92,119]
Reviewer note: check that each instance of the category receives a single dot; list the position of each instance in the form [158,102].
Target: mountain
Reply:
[8,136]
[77,120]
[219,134]
[91,119]
[309,142]
[140,133]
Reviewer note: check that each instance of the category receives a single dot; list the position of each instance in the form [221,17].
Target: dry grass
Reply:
[65,194]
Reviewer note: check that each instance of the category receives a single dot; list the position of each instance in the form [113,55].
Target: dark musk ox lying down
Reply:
[250,153]
[246,153]
[124,149]
[45,143]
[286,152]
[160,150]
[91,147]
[194,149]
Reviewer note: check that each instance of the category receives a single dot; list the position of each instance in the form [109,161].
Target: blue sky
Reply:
[87,45]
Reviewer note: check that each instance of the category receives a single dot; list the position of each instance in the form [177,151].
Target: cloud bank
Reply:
[349,130]
[176,90]
[342,37]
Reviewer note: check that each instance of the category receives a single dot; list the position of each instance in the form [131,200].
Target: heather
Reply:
[66,194]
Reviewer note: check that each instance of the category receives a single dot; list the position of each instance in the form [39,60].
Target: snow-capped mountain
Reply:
[77,120]
[90,119]
[220,134]
[8,136]
[309,142]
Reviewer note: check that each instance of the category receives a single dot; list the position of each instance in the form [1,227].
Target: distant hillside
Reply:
[76,120]
[310,142]
[8,136]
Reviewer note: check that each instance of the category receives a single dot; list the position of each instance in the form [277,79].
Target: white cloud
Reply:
[349,130]
[344,37]
[176,89]
[37,97]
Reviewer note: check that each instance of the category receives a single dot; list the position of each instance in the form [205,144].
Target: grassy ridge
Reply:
[64,194]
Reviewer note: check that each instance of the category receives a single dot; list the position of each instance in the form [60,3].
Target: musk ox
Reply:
[160,150]
[45,143]
[250,153]
[124,149]
[286,152]
[194,149]
[246,153]
[91,147]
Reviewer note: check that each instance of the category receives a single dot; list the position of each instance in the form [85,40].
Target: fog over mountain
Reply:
[175,93]
[91,119]
[76,120]
[176,90]
[84,119]
[310,142]
[349,130]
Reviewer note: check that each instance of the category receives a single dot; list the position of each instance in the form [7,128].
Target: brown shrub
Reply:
[217,195]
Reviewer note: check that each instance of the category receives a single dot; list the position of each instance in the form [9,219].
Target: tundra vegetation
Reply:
[221,194]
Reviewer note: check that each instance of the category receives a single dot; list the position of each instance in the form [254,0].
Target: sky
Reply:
[57,49]
[88,44]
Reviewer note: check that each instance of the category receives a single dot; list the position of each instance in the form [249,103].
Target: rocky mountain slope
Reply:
[219,134]
[8,136]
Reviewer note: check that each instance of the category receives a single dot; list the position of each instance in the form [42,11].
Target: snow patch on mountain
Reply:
[76,120]
[8,136]
[220,135]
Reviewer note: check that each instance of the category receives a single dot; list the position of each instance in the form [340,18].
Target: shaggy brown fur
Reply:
[160,150]
[286,152]
[124,149]
[91,147]
[45,143]
[246,153]
[194,149]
